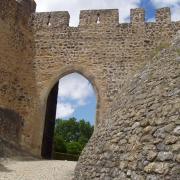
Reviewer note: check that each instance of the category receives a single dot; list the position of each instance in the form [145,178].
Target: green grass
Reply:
[178,51]
[160,47]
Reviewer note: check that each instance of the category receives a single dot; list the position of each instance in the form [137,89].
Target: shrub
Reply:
[65,156]
[74,148]
[59,144]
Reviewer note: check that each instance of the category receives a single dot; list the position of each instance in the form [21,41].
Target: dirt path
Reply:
[36,170]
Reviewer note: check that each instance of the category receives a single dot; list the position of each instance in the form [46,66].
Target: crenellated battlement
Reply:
[14,11]
[102,17]
[106,17]
[163,16]
[52,19]
[137,16]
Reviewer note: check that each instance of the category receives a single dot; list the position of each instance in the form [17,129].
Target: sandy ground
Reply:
[36,170]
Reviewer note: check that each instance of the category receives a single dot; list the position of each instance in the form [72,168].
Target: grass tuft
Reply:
[160,47]
[178,51]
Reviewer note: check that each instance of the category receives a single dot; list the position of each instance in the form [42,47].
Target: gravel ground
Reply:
[36,170]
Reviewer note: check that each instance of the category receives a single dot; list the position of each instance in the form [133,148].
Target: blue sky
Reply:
[76,95]
[76,98]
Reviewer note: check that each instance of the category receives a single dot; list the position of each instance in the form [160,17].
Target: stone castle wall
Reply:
[37,49]
[107,53]
[142,139]
[17,79]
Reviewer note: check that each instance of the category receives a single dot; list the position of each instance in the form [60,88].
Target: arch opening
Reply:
[72,98]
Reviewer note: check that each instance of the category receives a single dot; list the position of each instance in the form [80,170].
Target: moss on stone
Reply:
[159,48]
[178,51]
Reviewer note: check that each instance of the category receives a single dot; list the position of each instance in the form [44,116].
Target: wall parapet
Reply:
[163,16]
[99,18]
[52,19]
[137,16]
[103,17]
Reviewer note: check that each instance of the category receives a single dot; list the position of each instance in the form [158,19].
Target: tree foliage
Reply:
[71,135]
[59,144]
[74,148]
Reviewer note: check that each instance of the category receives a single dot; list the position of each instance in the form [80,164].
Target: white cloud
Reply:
[151,20]
[74,91]
[75,87]
[163,3]
[176,13]
[64,110]
[74,7]
[174,4]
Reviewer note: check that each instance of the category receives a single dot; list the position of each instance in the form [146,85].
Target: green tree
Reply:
[72,134]
[83,141]
[85,129]
[68,129]
[59,144]
[74,148]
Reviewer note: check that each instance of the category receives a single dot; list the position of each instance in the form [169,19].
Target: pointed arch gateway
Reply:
[50,113]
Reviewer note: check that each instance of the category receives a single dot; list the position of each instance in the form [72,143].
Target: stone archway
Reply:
[50,113]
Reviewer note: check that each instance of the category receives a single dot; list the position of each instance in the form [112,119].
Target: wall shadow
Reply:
[4,169]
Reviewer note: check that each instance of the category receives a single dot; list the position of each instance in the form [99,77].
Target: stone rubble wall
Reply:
[17,80]
[142,139]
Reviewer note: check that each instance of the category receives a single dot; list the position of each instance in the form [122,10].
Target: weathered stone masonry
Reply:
[107,53]
[142,139]
[17,78]
[36,49]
